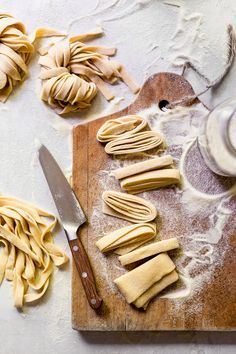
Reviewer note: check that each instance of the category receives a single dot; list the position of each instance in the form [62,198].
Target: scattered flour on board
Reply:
[199,199]
[196,213]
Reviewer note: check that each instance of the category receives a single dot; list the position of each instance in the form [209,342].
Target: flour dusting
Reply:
[204,203]
[196,213]
[187,41]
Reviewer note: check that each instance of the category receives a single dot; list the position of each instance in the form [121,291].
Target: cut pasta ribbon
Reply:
[113,129]
[133,235]
[147,296]
[142,283]
[150,180]
[144,166]
[16,49]
[28,249]
[147,175]
[134,143]
[128,207]
[72,71]
[149,250]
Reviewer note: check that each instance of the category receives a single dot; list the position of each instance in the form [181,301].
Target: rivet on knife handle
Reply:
[85,272]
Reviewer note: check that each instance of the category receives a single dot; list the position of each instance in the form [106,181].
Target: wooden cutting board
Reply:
[217,298]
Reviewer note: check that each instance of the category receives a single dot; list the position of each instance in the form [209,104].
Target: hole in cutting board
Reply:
[163,104]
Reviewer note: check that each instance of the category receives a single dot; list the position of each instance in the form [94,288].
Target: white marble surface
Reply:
[143,31]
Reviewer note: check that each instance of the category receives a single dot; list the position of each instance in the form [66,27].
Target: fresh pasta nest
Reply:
[28,252]
[15,52]
[72,71]
[16,49]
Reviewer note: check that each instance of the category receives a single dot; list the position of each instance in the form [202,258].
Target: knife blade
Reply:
[72,217]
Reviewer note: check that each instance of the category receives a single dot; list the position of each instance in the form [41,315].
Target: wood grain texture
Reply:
[115,314]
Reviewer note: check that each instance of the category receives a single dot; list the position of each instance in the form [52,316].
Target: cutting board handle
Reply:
[163,88]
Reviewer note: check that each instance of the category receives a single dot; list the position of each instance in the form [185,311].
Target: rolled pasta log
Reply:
[150,180]
[144,166]
[134,143]
[147,296]
[128,207]
[127,235]
[149,250]
[136,282]
[113,129]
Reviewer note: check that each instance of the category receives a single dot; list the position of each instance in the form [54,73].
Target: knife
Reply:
[72,217]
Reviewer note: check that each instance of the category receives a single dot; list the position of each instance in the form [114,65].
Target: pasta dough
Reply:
[123,126]
[72,71]
[136,282]
[128,248]
[16,49]
[149,250]
[150,180]
[128,207]
[155,289]
[29,251]
[127,235]
[134,143]
[144,166]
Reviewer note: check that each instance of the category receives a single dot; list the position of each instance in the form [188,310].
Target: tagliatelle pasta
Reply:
[72,72]
[135,283]
[128,207]
[113,129]
[128,235]
[28,251]
[16,49]
[153,164]
[134,143]
[149,250]
[148,295]
[150,180]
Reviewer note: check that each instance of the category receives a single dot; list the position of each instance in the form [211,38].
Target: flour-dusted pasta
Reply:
[134,143]
[128,207]
[153,164]
[149,250]
[135,283]
[124,126]
[128,235]
[28,249]
[72,71]
[150,180]
[144,299]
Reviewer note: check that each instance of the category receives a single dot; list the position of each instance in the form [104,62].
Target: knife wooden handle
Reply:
[85,272]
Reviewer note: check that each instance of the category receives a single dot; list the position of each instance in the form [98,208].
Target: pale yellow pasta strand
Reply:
[29,253]
[72,73]
[16,49]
